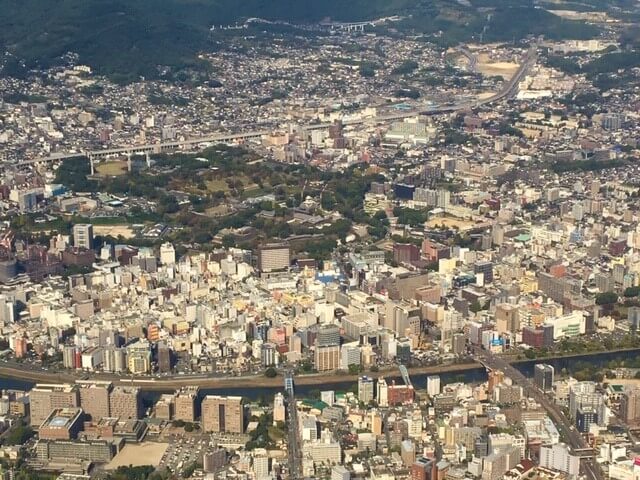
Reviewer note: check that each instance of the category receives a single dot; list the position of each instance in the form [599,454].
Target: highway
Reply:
[590,469]
[164,147]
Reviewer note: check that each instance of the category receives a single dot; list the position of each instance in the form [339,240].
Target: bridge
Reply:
[404,373]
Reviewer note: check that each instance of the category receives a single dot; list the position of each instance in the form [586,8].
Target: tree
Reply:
[19,434]
[270,372]
[606,298]
[631,292]
[228,241]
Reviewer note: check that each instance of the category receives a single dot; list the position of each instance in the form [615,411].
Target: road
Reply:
[574,438]
[153,148]
[295,452]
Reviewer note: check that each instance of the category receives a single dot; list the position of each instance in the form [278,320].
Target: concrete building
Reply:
[125,403]
[630,406]
[559,457]
[83,236]
[185,404]
[273,257]
[61,424]
[94,398]
[365,389]
[44,398]
[543,377]
[222,414]
[327,358]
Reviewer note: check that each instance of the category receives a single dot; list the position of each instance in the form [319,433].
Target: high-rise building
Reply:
[268,354]
[279,410]
[585,417]
[167,254]
[61,424]
[164,358]
[630,406]
[83,236]
[486,269]
[405,253]
[433,385]
[273,257]
[383,393]
[328,335]
[423,469]
[125,402]
[261,467]
[327,358]
[583,395]
[185,404]
[214,460]
[365,389]
[44,398]
[543,377]
[222,414]
[496,377]
[408,452]
[559,457]
[340,473]
[94,398]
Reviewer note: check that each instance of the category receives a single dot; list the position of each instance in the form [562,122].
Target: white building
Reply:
[558,457]
[433,385]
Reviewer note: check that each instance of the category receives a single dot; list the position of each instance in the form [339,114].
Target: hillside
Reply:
[130,38]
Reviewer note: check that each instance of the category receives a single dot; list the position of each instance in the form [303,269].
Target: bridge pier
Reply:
[129,166]
[148,158]
[91,164]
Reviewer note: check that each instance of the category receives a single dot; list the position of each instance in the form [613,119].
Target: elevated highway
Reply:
[171,146]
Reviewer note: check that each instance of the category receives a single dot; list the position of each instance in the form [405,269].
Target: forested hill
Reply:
[131,38]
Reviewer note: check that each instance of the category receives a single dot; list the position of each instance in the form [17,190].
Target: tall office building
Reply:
[327,358]
[261,467]
[214,460]
[382,393]
[83,236]
[365,389]
[433,385]
[559,457]
[44,398]
[164,358]
[423,469]
[167,254]
[125,402]
[279,410]
[94,399]
[222,414]
[630,406]
[340,473]
[583,395]
[185,404]
[543,377]
[486,269]
[328,335]
[273,257]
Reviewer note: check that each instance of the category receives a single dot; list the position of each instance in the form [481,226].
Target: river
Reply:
[474,375]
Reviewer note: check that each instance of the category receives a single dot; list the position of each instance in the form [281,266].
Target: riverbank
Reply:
[208,382]
[260,381]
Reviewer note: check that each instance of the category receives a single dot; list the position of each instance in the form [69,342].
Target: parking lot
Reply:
[183,450]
